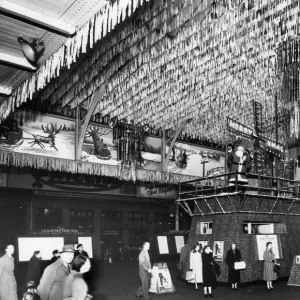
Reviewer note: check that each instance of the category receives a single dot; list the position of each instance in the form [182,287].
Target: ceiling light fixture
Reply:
[32,50]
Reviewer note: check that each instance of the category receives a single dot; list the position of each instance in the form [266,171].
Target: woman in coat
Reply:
[74,286]
[33,271]
[233,255]
[209,276]
[8,285]
[269,262]
[196,265]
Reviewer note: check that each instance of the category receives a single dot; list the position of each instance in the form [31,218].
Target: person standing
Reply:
[196,265]
[74,286]
[81,251]
[50,287]
[33,271]
[269,262]
[144,272]
[8,284]
[209,276]
[55,256]
[233,255]
[184,252]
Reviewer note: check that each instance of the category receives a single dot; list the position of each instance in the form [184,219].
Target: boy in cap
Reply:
[50,287]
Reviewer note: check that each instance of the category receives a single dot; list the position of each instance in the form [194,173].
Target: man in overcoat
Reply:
[33,271]
[50,287]
[8,284]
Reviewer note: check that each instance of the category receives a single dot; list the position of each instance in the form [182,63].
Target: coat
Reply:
[74,287]
[196,266]
[8,284]
[83,253]
[33,271]
[50,287]
[209,276]
[231,258]
[269,273]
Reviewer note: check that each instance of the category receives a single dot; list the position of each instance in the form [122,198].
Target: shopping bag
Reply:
[239,265]
[276,268]
[190,275]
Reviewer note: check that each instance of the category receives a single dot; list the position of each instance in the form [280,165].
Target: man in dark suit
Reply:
[81,251]
[34,271]
[55,256]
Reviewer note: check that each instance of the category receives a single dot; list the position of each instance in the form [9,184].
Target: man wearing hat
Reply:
[50,287]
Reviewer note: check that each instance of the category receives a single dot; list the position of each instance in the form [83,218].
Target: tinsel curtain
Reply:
[178,59]
[65,165]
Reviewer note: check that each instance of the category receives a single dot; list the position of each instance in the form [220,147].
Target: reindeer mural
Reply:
[40,140]
[95,132]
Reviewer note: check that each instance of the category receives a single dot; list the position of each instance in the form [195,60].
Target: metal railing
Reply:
[231,183]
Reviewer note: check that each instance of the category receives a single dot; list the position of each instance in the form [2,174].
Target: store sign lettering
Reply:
[53,231]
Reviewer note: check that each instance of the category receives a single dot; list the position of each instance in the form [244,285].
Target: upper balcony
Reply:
[240,193]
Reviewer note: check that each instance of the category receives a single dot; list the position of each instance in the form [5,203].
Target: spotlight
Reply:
[32,51]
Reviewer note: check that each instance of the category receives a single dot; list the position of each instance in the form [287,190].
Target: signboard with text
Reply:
[154,190]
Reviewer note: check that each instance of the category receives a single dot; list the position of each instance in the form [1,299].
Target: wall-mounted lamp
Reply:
[32,50]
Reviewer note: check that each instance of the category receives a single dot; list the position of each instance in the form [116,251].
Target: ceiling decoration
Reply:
[51,23]
[173,61]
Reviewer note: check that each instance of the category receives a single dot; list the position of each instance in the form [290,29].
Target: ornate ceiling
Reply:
[172,61]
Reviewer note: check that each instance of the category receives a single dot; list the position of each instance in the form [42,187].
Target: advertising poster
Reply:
[218,250]
[262,240]
[161,281]
[179,241]
[163,247]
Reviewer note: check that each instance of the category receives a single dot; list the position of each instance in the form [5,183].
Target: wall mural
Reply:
[38,134]
[55,137]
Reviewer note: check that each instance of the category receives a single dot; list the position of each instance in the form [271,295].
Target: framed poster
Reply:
[218,250]
[179,241]
[163,247]
[204,228]
[261,241]
[202,244]
[27,245]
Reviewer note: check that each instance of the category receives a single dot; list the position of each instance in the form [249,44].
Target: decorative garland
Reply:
[103,22]
[175,61]
[64,165]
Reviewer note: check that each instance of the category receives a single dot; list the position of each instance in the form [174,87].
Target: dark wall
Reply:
[228,228]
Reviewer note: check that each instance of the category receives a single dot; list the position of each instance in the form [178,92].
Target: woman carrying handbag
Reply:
[196,265]
[209,275]
[233,255]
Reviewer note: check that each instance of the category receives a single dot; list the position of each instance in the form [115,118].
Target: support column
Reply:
[97,235]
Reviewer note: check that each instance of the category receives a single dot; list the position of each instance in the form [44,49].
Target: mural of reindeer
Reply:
[40,140]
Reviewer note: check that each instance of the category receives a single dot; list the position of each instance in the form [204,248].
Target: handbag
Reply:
[190,275]
[217,268]
[276,268]
[239,265]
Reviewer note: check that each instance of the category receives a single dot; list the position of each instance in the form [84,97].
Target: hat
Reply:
[68,248]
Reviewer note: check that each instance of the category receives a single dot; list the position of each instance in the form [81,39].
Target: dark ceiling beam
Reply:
[37,18]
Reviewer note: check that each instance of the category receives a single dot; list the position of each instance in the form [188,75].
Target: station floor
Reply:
[119,280]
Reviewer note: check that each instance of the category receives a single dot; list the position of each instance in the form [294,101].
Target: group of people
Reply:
[203,266]
[61,280]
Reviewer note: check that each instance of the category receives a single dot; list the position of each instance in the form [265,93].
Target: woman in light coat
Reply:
[196,265]
[74,286]
[269,262]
